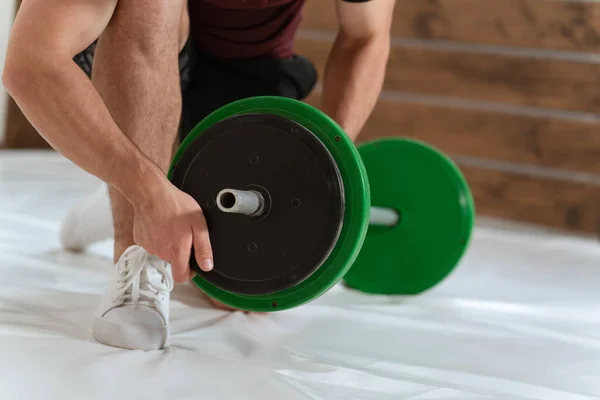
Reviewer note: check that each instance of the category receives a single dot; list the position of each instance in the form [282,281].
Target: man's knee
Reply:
[150,25]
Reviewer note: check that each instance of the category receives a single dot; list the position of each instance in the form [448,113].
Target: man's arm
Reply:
[58,98]
[356,65]
[65,107]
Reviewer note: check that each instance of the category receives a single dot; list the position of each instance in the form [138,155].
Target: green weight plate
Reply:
[356,192]
[436,218]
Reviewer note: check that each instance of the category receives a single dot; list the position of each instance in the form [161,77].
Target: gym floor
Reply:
[519,319]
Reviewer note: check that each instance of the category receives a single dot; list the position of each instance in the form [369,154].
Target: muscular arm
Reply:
[356,65]
[58,98]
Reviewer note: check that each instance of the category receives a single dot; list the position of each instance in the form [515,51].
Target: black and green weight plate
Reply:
[436,212]
[317,192]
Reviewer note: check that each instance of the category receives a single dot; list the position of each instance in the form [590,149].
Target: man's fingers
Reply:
[202,248]
[180,264]
[203,254]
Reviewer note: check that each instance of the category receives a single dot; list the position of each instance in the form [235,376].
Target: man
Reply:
[122,125]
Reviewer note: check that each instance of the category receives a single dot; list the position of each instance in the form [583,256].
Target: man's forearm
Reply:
[63,105]
[353,80]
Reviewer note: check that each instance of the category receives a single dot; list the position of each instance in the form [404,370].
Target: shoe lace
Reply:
[142,278]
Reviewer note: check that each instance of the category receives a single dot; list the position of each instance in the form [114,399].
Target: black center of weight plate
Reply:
[301,184]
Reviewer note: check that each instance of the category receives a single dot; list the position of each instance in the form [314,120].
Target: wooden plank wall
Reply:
[510,89]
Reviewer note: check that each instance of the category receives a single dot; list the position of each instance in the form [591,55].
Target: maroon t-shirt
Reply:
[245,28]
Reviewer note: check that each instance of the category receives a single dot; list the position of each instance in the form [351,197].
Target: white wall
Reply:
[6,17]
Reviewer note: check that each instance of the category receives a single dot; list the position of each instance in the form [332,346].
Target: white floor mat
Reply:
[519,319]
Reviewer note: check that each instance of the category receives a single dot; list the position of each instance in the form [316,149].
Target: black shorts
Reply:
[208,83]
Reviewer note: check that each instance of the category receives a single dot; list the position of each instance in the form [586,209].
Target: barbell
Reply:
[287,198]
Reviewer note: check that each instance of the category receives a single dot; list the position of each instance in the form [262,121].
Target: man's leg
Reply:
[137,74]
[142,42]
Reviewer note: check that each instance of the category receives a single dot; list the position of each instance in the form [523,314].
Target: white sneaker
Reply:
[134,313]
[88,222]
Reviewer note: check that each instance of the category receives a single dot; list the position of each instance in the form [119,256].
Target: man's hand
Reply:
[168,226]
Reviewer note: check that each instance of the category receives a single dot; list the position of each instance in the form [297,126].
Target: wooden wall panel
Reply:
[556,143]
[500,78]
[566,205]
[547,24]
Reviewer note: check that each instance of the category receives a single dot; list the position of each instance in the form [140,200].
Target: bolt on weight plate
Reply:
[435,202]
[355,192]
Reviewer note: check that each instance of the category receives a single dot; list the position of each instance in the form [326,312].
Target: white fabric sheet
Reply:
[519,319]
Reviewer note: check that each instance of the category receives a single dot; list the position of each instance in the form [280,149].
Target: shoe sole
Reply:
[131,337]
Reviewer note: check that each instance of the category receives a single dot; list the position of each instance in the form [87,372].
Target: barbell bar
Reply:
[251,203]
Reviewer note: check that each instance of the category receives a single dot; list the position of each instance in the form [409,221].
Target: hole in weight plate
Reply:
[227,200]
